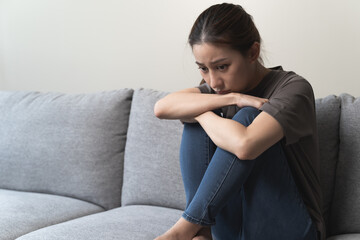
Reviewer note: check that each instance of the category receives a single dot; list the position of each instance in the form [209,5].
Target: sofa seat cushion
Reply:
[350,236]
[130,222]
[23,212]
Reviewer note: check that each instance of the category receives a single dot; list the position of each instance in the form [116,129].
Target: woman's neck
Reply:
[260,73]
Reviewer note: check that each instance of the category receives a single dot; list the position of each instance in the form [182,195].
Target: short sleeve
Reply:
[293,106]
[205,88]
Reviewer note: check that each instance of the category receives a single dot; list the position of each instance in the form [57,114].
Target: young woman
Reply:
[249,153]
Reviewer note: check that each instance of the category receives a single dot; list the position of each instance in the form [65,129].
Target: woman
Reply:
[249,156]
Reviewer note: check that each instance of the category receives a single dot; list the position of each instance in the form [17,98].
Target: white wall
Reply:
[86,45]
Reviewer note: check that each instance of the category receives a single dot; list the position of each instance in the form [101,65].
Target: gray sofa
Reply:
[102,166]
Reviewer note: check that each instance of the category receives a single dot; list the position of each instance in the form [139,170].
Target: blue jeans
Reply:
[241,199]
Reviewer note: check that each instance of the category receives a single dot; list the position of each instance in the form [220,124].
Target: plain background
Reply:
[78,46]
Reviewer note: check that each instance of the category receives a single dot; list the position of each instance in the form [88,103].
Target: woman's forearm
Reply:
[182,105]
[225,133]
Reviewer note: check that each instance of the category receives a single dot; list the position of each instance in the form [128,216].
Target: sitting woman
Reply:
[249,153]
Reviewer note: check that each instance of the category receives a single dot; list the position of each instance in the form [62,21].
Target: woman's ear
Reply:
[253,52]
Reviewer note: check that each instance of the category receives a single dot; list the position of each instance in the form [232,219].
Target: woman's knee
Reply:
[193,132]
[192,129]
[246,115]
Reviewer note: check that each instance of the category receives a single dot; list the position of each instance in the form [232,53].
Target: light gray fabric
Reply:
[350,236]
[23,212]
[124,223]
[345,212]
[66,144]
[151,172]
[328,117]
[152,169]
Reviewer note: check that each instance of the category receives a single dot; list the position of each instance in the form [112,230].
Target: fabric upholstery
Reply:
[23,212]
[125,223]
[152,168]
[74,145]
[349,236]
[345,212]
[328,117]
[66,144]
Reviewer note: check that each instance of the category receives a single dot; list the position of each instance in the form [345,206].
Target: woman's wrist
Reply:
[232,98]
[225,100]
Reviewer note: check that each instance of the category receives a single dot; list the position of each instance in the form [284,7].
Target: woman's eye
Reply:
[204,69]
[222,67]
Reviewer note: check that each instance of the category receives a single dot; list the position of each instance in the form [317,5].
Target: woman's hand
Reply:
[242,100]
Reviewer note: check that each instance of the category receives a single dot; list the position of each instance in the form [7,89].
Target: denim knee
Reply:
[246,115]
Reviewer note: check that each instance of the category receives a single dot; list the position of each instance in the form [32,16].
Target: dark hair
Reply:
[225,23]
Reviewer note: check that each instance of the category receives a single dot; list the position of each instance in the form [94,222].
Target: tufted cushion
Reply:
[66,144]
[328,116]
[152,169]
[345,210]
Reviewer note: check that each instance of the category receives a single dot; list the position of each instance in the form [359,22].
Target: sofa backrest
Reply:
[66,144]
[152,168]
[327,118]
[345,210]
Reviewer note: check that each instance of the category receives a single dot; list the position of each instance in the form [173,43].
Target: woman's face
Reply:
[224,69]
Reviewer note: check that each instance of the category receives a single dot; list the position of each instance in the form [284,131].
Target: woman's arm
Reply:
[190,102]
[246,143]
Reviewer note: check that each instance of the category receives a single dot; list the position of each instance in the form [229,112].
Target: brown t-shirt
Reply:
[292,104]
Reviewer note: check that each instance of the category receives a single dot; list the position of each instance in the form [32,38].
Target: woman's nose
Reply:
[215,81]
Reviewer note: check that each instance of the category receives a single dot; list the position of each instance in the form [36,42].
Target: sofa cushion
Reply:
[152,169]
[349,236]
[66,144]
[130,222]
[345,209]
[23,212]
[328,117]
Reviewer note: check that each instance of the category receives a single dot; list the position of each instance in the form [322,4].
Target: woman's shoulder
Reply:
[290,77]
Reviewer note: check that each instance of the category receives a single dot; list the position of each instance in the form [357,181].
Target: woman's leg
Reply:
[219,192]
[196,151]
[271,204]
